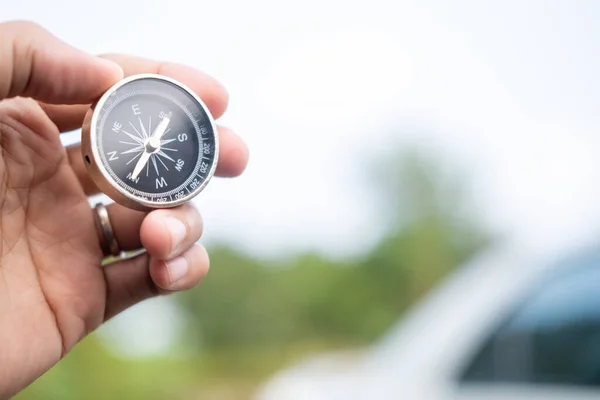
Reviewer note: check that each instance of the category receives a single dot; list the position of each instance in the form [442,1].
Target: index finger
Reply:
[212,93]
[209,89]
[34,63]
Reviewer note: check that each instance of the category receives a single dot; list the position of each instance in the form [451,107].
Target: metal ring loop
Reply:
[108,241]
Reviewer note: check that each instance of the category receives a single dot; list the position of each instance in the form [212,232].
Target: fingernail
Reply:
[177,230]
[177,268]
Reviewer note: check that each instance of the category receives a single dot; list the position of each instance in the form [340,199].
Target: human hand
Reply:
[53,289]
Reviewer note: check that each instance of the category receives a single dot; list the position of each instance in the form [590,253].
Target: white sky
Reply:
[509,92]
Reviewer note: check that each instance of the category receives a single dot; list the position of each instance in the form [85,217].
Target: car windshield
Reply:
[553,335]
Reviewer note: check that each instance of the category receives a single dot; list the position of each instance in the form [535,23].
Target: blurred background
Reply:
[418,216]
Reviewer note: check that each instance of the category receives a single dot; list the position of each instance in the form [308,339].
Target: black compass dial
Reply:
[155,140]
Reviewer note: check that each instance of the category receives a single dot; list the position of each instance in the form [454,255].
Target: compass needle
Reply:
[140,164]
[160,130]
[134,157]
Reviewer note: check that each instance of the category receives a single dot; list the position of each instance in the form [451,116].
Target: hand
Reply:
[53,290]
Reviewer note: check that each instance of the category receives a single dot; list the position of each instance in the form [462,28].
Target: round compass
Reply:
[150,142]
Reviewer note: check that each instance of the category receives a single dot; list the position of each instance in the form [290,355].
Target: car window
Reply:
[552,337]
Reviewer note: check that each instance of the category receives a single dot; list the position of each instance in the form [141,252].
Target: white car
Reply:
[505,326]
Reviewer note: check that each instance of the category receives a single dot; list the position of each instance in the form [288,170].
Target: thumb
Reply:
[35,63]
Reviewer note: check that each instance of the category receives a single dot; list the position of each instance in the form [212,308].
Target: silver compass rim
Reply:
[102,168]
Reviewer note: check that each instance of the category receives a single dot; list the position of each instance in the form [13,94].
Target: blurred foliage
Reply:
[252,316]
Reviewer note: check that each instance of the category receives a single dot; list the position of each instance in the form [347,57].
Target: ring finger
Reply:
[165,233]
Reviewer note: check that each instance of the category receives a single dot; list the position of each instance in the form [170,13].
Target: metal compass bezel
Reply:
[100,175]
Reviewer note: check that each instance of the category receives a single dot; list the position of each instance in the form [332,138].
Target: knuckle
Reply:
[19,26]
[21,32]
[17,53]
[8,115]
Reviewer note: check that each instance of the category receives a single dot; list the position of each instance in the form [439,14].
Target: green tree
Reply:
[252,316]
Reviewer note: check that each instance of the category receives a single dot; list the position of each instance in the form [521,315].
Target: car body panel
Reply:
[423,355]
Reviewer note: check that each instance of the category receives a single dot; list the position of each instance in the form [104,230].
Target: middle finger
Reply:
[212,93]
[163,233]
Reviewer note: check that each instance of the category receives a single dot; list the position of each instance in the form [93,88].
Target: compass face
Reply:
[154,141]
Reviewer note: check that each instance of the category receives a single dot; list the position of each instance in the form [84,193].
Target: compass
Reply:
[150,142]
